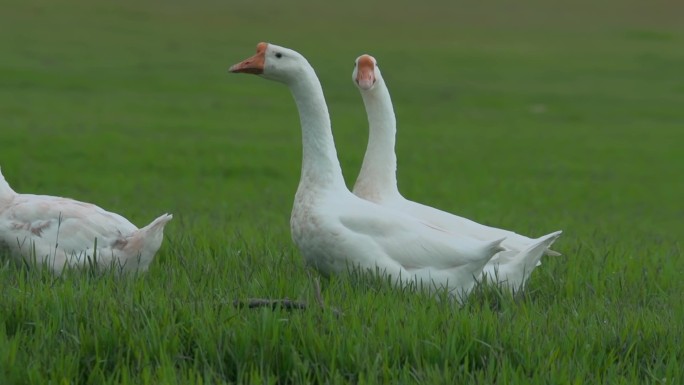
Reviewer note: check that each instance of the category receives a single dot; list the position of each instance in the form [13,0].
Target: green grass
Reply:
[532,116]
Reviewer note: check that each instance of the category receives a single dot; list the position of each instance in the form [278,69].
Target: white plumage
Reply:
[377,183]
[59,232]
[336,230]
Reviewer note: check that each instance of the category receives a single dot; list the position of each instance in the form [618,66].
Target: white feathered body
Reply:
[336,231]
[59,232]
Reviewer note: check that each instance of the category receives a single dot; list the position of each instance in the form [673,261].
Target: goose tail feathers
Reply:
[145,242]
[535,251]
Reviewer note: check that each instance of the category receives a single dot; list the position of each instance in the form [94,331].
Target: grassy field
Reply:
[533,116]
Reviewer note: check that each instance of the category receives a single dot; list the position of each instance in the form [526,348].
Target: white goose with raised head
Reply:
[377,182]
[336,230]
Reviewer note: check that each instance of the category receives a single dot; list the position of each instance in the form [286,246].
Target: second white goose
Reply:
[377,182]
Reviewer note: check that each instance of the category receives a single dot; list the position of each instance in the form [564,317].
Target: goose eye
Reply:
[278,55]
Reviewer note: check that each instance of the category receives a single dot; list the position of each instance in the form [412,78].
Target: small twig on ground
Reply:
[286,303]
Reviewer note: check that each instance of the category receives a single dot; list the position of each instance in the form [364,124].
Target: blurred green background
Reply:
[507,111]
[530,115]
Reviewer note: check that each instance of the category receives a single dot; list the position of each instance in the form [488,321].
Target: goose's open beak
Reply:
[253,65]
[365,72]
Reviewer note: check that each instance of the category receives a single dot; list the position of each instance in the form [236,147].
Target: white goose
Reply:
[60,232]
[377,182]
[336,230]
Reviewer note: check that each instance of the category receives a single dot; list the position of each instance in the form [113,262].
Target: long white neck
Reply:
[320,166]
[378,176]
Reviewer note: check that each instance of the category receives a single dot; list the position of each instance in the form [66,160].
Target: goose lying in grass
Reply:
[59,232]
[336,230]
[377,182]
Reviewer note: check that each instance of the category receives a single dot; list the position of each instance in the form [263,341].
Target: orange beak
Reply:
[365,72]
[253,65]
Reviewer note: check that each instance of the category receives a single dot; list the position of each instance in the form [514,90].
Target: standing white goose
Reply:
[336,230]
[377,182]
[60,232]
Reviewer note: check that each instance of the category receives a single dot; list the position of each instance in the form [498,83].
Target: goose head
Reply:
[273,62]
[366,72]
